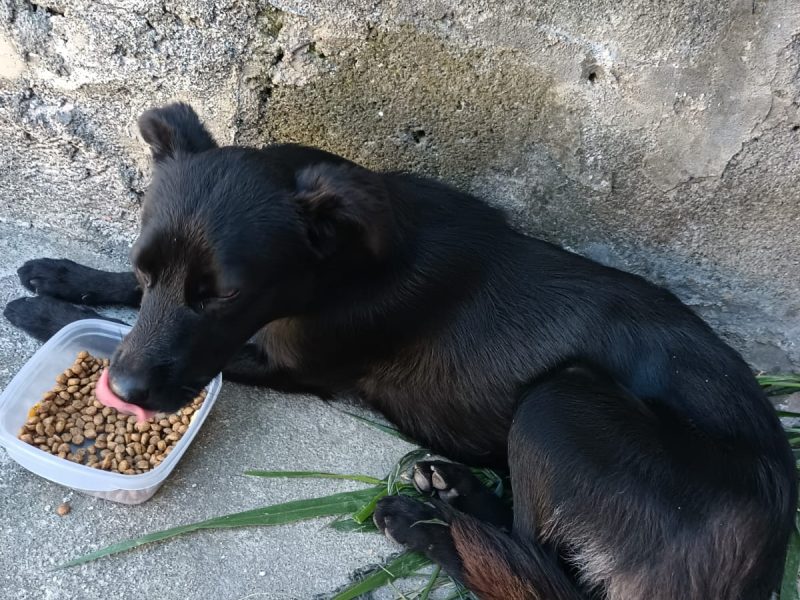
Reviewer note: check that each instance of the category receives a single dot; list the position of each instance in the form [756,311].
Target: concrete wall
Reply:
[661,137]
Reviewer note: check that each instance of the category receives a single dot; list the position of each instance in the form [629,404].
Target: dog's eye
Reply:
[208,300]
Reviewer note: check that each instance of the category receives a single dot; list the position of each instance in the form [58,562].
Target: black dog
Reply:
[645,461]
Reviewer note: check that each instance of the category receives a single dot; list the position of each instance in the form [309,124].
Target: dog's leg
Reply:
[252,366]
[67,280]
[42,316]
[611,497]
[488,561]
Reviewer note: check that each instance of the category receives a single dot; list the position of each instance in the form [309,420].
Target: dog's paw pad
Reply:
[445,480]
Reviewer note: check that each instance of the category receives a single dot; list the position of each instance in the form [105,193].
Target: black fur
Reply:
[645,460]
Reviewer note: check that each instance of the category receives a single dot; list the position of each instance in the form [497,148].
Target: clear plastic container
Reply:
[99,338]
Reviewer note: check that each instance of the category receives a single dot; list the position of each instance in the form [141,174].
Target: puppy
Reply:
[645,461]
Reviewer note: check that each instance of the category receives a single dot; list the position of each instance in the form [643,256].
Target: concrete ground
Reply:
[248,428]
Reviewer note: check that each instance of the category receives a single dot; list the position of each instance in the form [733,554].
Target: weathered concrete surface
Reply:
[660,137]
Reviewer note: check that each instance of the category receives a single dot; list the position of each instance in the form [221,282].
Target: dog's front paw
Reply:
[56,277]
[411,523]
[41,317]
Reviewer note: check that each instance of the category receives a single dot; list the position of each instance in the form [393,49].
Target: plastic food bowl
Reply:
[99,338]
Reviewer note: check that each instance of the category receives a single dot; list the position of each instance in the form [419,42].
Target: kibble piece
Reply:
[63,509]
[123,465]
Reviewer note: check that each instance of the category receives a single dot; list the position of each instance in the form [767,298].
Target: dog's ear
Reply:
[174,129]
[345,206]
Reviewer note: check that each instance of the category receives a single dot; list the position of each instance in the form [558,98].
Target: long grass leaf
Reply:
[365,512]
[427,590]
[404,565]
[315,475]
[789,584]
[277,514]
[349,525]
[380,426]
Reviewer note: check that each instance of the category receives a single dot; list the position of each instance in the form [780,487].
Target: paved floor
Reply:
[247,428]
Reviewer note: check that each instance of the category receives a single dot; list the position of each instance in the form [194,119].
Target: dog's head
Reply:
[231,239]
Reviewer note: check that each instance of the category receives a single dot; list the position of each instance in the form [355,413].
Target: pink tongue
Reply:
[108,398]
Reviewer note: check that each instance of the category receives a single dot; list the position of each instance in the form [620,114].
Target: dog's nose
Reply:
[127,388]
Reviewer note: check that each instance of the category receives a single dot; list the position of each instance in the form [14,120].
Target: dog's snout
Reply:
[127,387]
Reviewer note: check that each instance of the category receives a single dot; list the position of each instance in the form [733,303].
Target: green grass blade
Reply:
[460,594]
[779,384]
[365,512]
[349,525]
[790,569]
[380,426]
[404,565]
[277,514]
[434,576]
[316,475]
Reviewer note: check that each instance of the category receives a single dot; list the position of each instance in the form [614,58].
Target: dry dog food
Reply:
[69,422]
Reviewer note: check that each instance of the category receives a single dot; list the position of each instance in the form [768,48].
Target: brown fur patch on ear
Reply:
[343,202]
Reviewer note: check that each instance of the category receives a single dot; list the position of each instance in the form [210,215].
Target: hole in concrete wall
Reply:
[795,127]
[418,135]
[591,72]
